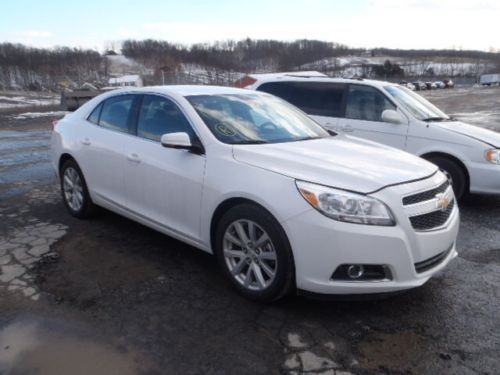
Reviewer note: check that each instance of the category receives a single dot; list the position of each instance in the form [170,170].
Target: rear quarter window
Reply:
[96,113]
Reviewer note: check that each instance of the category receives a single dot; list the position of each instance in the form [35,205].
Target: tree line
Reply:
[40,68]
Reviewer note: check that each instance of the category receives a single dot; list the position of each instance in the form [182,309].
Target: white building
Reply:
[128,80]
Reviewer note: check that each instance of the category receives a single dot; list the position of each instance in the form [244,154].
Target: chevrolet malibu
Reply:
[282,204]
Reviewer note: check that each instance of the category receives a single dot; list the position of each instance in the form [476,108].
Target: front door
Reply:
[167,182]
[363,117]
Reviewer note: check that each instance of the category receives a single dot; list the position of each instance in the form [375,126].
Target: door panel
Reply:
[102,148]
[164,184]
[364,107]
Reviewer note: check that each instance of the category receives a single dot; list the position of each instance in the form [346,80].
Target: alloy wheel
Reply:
[250,255]
[73,189]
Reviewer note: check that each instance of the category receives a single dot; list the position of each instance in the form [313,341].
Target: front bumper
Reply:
[484,178]
[321,244]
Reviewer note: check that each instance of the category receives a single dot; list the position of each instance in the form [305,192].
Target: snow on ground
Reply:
[30,115]
[27,100]
[120,65]
[359,65]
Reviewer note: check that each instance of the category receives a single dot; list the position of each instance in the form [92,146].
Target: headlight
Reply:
[345,206]
[493,156]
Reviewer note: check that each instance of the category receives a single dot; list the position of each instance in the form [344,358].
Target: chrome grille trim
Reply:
[434,213]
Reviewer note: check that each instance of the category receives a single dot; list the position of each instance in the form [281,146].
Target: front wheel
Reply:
[254,253]
[455,174]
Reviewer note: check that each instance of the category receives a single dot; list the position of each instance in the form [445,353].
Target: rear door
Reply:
[363,117]
[164,184]
[102,155]
[323,101]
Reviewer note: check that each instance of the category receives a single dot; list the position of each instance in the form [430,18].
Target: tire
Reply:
[455,173]
[82,206]
[272,257]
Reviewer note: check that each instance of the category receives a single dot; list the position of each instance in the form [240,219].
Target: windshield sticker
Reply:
[224,130]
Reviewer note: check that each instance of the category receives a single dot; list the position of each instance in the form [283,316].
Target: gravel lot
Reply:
[109,296]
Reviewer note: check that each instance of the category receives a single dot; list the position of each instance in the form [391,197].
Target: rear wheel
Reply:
[455,174]
[74,190]
[254,253]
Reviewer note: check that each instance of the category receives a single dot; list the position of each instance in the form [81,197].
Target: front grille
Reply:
[426,195]
[432,219]
[427,264]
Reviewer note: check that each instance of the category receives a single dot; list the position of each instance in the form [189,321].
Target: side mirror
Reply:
[181,141]
[393,117]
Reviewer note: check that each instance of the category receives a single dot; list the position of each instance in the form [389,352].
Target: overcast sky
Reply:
[466,24]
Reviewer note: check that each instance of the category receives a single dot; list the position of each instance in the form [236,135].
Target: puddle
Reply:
[399,351]
[29,348]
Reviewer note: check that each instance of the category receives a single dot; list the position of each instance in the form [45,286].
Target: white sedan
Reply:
[283,204]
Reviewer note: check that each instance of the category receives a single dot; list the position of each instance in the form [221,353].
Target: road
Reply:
[109,296]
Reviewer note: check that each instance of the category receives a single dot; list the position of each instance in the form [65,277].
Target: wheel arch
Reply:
[63,159]
[226,205]
[452,158]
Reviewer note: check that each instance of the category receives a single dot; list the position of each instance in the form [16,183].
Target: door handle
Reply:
[134,158]
[85,141]
[347,128]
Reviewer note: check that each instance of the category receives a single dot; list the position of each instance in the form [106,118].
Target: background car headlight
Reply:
[345,206]
[493,156]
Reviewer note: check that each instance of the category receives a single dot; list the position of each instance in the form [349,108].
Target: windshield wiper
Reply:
[251,142]
[429,119]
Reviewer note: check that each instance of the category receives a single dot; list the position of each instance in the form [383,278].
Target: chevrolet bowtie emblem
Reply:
[442,202]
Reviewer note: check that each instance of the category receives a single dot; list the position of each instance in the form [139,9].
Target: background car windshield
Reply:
[415,104]
[250,118]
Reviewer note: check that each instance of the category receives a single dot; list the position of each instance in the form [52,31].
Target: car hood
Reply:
[343,162]
[484,135]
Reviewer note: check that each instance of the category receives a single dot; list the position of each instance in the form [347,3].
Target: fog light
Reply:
[362,272]
[355,271]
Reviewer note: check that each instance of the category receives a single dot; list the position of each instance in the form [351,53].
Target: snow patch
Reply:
[31,115]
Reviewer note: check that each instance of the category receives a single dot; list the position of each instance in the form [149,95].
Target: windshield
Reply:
[419,107]
[254,118]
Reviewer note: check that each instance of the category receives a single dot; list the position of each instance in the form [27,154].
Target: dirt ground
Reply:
[109,296]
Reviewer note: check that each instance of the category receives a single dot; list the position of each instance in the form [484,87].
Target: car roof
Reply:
[311,77]
[187,90]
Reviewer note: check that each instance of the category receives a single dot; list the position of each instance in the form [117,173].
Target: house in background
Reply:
[128,80]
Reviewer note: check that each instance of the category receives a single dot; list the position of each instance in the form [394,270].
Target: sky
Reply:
[460,24]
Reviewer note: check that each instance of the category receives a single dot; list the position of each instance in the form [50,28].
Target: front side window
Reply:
[314,98]
[419,107]
[254,118]
[115,114]
[159,116]
[366,103]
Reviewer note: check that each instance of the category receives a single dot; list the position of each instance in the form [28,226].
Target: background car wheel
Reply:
[254,253]
[455,174]
[74,190]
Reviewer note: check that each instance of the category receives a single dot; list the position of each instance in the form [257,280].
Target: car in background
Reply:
[282,203]
[449,83]
[393,115]
[419,86]
[440,84]
[408,85]
[430,85]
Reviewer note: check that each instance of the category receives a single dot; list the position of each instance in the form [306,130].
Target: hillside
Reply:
[38,69]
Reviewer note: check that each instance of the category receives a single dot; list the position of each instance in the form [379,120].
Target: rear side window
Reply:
[314,98]
[115,114]
[160,116]
[366,103]
[94,116]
